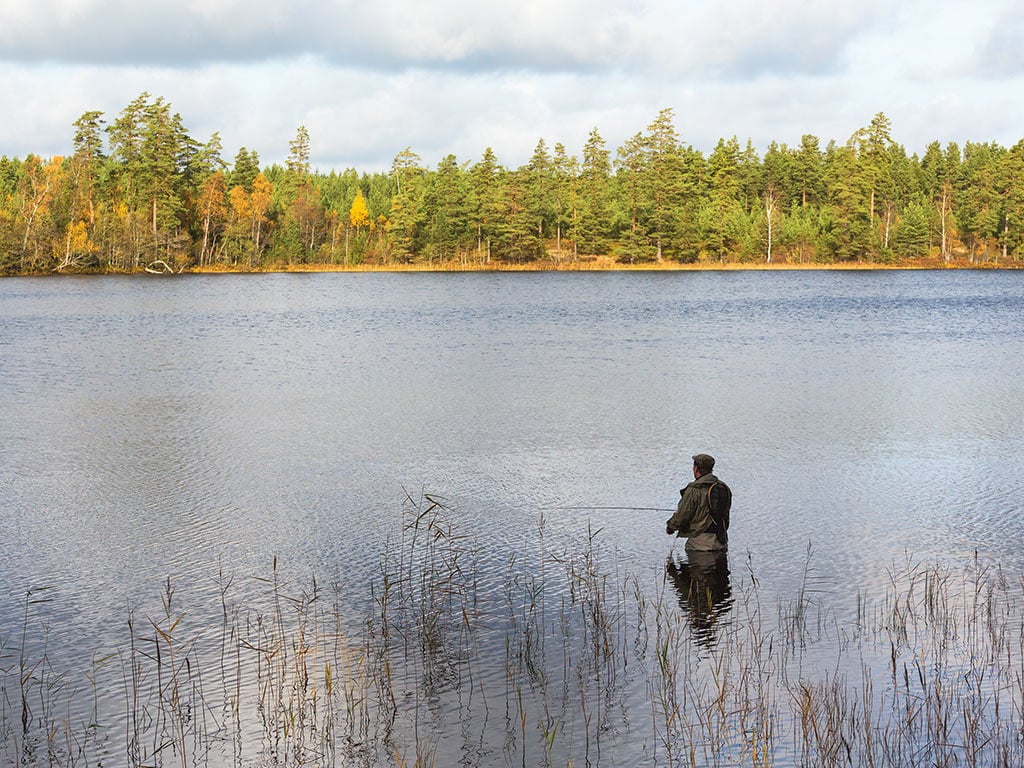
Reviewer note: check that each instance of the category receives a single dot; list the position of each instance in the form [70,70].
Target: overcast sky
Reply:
[370,77]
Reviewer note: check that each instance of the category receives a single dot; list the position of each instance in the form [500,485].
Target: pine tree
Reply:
[484,202]
[662,174]
[298,152]
[540,191]
[85,166]
[152,153]
[724,217]
[631,177]
[406,215]
[809,171]
[594,225]
[125,137]
[566,171]
[445,211]
[978,200]
[245,169]
[1010,174]
[910,238]
[515,235]
[847,228]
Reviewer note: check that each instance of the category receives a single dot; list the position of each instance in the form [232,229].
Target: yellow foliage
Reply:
[78,238]
[211,197]
[241,205]
[262,191]
[38,186]
[54,167]
[359,215]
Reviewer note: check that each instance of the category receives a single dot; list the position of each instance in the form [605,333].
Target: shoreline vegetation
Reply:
[608,264]
[582,264]
[140,194]
[562,658]
[597,265]
[586,264]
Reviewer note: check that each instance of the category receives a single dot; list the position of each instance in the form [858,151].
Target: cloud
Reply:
[387,34]
[745,38]
[123,32]
[734,37]
[446,76]
[999,51]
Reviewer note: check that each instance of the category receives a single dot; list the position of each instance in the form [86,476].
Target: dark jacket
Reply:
[693,515]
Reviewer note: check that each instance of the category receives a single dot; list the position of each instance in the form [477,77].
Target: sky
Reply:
[368,78]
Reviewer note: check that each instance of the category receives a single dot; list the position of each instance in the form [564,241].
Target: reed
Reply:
[559,658]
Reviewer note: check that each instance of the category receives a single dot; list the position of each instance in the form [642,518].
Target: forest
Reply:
[140,193]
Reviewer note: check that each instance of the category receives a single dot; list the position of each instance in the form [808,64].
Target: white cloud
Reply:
[368,79]
[537,35]
[1000,50]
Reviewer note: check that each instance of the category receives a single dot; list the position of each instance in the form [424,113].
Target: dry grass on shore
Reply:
[608,264]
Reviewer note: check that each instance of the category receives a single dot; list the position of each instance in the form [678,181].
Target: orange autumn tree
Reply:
[239,227]
[262,193]
[39,184]
[248,217]
[77,245]
[214,211]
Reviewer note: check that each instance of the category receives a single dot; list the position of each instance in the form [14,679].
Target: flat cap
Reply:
[703,462]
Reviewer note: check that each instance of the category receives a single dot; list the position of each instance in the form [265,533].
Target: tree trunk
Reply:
[943,213]
[206,239]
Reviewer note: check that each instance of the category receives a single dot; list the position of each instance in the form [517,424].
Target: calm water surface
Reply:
[156,428]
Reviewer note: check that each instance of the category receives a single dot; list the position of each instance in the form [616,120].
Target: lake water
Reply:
[156,428]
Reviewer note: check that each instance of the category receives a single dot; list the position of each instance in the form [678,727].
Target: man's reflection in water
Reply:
[702,582]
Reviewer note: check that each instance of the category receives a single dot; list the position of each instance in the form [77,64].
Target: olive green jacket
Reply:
[693,515]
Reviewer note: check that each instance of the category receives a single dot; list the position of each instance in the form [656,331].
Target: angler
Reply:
[703,512]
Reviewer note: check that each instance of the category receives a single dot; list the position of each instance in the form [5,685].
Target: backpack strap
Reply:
[710,489]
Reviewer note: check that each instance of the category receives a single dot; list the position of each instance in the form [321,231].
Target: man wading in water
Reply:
[703,512]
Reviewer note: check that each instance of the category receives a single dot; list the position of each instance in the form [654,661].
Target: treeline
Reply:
[141,193]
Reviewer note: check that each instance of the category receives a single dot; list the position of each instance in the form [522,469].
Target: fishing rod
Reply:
[627,509]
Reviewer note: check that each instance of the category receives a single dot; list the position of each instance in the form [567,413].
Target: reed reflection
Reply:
[705,593]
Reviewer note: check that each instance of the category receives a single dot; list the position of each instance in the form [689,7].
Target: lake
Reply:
[250,425]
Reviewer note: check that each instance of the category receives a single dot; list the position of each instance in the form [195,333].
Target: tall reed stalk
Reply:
[559,658]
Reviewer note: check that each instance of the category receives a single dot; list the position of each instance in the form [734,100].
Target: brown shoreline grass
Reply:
[582,264]
[606,264]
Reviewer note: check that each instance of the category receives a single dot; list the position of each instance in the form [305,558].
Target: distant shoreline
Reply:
[592,264]
[609,265]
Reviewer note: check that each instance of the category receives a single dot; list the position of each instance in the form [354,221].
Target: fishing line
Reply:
[628,509]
